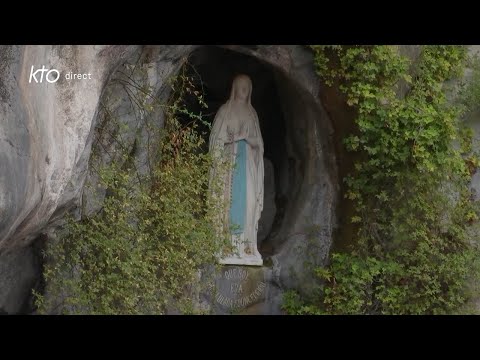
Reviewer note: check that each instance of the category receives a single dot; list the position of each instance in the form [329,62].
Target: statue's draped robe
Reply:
[244,182]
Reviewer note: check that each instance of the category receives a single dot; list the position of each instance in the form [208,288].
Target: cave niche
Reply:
[299,162]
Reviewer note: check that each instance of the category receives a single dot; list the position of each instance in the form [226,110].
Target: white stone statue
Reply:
[236,132]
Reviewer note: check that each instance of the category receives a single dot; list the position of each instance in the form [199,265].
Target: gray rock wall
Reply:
[46,131]
[19,273]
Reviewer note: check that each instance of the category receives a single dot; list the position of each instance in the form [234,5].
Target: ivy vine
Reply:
[413,250]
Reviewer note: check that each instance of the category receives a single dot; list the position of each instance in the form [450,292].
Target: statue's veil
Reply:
[235,80]
[225,110]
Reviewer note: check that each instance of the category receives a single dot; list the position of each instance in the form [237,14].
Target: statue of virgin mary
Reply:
[236,133]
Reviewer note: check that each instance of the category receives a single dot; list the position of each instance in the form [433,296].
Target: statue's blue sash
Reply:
[239,189]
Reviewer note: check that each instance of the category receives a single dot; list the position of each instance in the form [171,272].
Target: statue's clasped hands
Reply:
[232,138]
[230,135]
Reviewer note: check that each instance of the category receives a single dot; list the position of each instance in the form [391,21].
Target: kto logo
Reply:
[51,75]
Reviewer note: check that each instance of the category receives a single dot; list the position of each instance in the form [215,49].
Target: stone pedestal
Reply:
[238,288]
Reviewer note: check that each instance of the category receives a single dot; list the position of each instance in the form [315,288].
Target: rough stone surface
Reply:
[311,187]
[18,275]
[269,207]
[45,132]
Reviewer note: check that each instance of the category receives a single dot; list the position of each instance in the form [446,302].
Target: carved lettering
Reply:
[236,274]
[236,288]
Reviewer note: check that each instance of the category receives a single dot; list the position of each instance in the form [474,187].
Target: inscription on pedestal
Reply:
[239,287]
